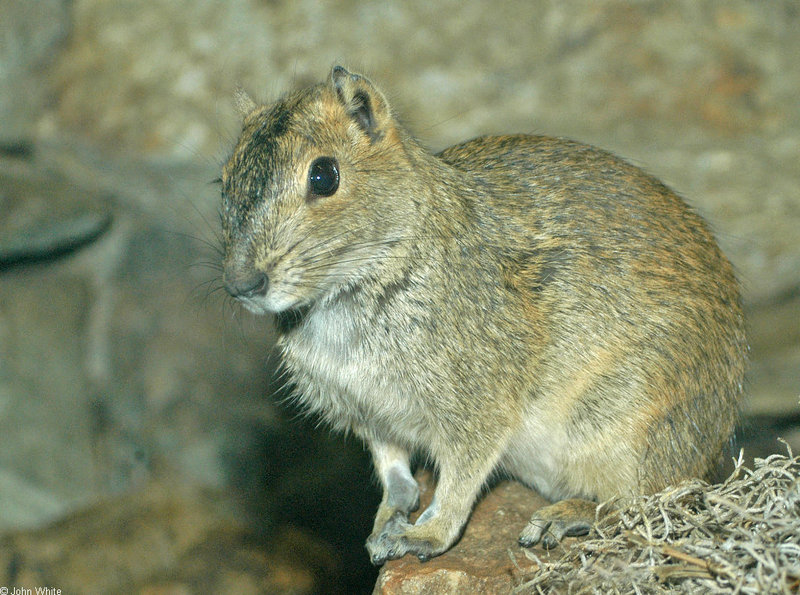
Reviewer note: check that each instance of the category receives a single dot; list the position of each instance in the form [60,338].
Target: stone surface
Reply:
[31,35]
[108,370]
[166,539]
[487,558]
[775,367]
[44,216]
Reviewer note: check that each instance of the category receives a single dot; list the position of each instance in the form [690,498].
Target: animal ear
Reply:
[244,104]
[363,101]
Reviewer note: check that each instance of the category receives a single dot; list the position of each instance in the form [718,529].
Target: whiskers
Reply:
[207,265]
[329,267]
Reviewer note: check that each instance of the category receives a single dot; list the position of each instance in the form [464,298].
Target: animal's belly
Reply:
[535,456]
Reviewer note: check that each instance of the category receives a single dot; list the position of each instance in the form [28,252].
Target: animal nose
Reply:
[248,287]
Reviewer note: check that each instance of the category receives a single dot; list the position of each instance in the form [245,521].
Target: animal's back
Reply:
[646,346]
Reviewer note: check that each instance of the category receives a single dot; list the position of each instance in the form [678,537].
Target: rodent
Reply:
[523,304]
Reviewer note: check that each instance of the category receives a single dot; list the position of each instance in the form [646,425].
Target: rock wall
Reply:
[120,361]
[700,93]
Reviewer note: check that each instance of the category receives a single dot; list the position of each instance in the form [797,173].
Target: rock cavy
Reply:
[522,304]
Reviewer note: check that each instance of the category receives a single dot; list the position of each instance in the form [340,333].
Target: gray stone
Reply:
[114,366]
[46,433]
[44,216]
[165,539]
[31,34]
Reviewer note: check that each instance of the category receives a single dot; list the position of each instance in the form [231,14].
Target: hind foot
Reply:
[567,518]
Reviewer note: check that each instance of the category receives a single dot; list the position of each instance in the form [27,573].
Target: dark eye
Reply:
[323,176]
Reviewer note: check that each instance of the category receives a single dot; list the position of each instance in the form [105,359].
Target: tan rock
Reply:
[165,540]
[487,559]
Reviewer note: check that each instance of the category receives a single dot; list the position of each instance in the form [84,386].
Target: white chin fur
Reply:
[269,304]
[256,306]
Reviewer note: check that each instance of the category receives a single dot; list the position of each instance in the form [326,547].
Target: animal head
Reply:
[313,194]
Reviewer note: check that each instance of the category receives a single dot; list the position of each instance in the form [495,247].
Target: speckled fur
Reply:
[522,303]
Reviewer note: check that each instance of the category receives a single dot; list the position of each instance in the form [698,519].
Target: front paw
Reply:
[398,537]
[388,543]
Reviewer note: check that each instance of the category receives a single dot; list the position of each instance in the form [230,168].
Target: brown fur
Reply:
[522,303]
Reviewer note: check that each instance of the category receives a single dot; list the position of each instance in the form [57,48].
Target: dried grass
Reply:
[739,536]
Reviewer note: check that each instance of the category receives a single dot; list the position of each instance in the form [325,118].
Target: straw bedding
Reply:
[739,536]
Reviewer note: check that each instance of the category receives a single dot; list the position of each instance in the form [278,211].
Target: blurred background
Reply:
[142,446]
